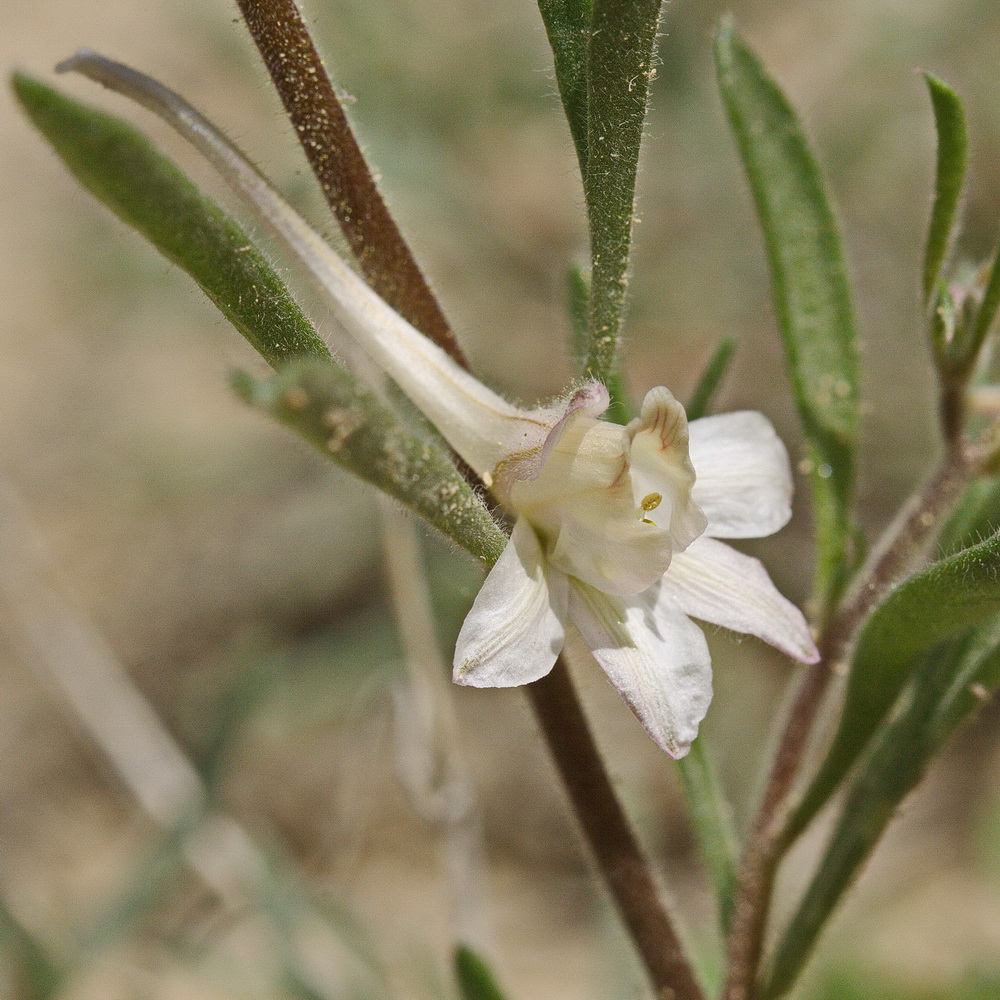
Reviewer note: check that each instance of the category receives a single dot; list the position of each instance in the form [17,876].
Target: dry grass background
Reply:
[209,547]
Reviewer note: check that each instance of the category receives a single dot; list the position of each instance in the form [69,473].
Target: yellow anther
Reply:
[651,502]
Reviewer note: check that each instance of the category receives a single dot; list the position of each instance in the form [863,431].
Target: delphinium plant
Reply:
[605,517]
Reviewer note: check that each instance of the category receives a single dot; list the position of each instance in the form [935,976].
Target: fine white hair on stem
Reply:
[480,425]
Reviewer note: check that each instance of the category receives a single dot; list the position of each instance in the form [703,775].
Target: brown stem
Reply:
[339,165]
[621,860]
[900,545]
[336,159]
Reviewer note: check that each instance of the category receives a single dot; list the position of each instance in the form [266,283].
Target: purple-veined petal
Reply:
[744,480]
[661,470]
[516,627]
[712,581]
[654,655]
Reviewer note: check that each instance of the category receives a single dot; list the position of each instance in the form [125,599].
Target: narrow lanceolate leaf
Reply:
[952,161]
[567,23]
[893,769]
[119,166]
[936,605]
[711,379]
[948,684]
[619,69]
[475,978]
[811,291]
[334,411]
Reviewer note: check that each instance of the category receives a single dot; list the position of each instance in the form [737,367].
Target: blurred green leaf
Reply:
[952,161]
[935,605]
[331,409]
[712,820]
[567,23]
[619,68]
[867,984]
[35,974]
[475,979]
[578,302]
[119,166]
[811,292]
[975,518]
[711,379]
[948,683]
[987,311]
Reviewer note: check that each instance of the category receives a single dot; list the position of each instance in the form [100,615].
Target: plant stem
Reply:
[336,159]
[387,263]
[621,860]
[901,544]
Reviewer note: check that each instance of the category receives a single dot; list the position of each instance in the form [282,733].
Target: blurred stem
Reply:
[311,102]
[902,543]
[71,654]
[626,870]
[430,761]
[713,825]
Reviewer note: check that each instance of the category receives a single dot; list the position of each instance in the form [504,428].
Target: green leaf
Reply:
[578,303]
[344,419]
[948,684]
[935,605]
[567,23]
[976,517]
[893,769]
[34,974]
[119,166]
[712,820]
[711,379]
[952,161]
[987,311]
[619,68]
[811,293]
[475,979]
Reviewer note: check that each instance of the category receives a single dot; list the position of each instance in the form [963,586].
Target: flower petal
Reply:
[661,467]
[580,501]
[654,655]
[712,581]
[744,480]
[619,555]
[515,629]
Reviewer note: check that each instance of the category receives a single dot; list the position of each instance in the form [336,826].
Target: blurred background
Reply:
[236,576]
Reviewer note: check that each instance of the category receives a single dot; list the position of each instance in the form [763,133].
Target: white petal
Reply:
[744,480]
[580,502]
[654,655]
[619,555]
[712,581]
[515,629]
[480,425]
[660,466]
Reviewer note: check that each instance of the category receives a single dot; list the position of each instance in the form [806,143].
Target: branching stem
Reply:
[900,546]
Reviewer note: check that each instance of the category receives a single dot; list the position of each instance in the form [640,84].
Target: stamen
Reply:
[651,501]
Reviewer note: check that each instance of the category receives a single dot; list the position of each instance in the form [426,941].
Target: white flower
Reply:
[616,527]
[616,534]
